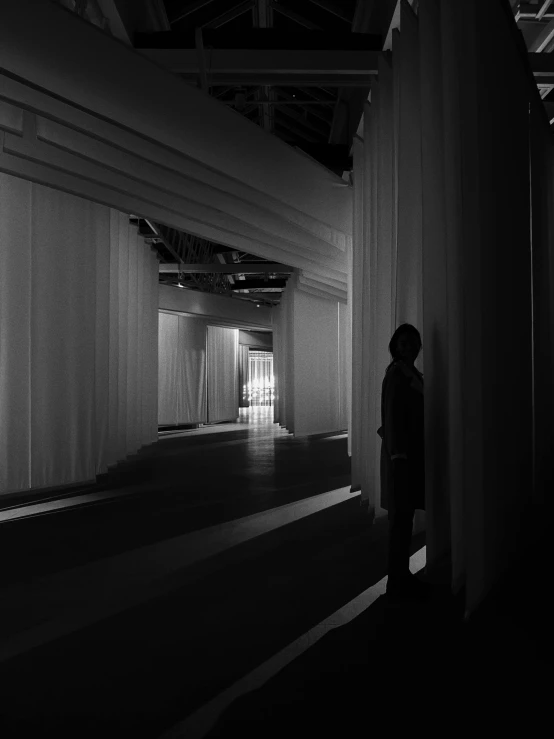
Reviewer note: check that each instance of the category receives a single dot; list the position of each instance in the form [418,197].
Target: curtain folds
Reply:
[542,188]
[442,240]
[310,339]
[222,373]
[65,334]
[182,370]
[244,379]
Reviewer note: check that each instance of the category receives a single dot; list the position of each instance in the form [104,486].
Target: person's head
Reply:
[405,343]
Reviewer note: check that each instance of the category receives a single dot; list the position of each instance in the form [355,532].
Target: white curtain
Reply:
[182,370]
[133,340]
[316,364]
[345,366]
[260,376]
[374,281]
[57,350]
[222,373]
[542,186]
[450,252]
[310,334]
[15,328]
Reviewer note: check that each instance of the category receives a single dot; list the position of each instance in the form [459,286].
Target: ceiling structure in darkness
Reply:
[300,69]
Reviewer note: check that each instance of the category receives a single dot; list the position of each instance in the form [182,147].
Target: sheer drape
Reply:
[542,185]
[309,337]
[222,373]
[58,353]
[374,281]
[488,411]
[244,368]
[444,244]
[15,329]
[63,331]
[182,370]
[260,382]
[133,340]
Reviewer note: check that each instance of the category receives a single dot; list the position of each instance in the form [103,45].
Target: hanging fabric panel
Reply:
[132,340]
[476,244]
[60,390]
[542,184]
[409,213]
[345,366]
[122,355]
[277,361]
[437,288]
[289,420]
[102,348]
[316,364]
[244,378]
[369,458]
[168,339]
[356,303]
[497,266]
[63,332]
[15,322]
[191,371]
[260,384]
[222,373]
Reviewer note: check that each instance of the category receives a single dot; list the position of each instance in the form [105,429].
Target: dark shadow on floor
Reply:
[139,673]
[188,484]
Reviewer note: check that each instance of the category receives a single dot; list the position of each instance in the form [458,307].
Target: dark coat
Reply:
[402,432]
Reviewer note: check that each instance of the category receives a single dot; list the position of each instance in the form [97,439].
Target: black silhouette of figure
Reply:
[402,457]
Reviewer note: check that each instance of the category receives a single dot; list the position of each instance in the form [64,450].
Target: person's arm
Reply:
[396,426]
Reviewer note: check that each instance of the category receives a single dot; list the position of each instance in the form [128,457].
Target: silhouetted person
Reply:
[402,457]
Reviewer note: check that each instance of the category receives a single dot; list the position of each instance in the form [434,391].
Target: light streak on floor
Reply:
[56,605]
[198,724]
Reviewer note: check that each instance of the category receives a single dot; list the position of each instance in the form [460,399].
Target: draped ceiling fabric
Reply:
[182,370]
[222,373]
[65,335]
[179,157]
[450,253]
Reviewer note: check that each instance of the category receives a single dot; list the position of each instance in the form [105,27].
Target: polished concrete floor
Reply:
[225,582]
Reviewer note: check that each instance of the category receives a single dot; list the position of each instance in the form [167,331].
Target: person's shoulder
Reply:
[395,372]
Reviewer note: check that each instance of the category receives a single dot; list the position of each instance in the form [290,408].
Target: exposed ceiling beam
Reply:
[288,13]
[304,133]
[319,95]
[240,268]
[545,6]
[283,102]
[322,108]
[126,18]
[526,10]
[335,7]
[543,39]
[297,116]
[230,14]
[264,38]
[542,66]
[178,11]
[328,63]
[259,284]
